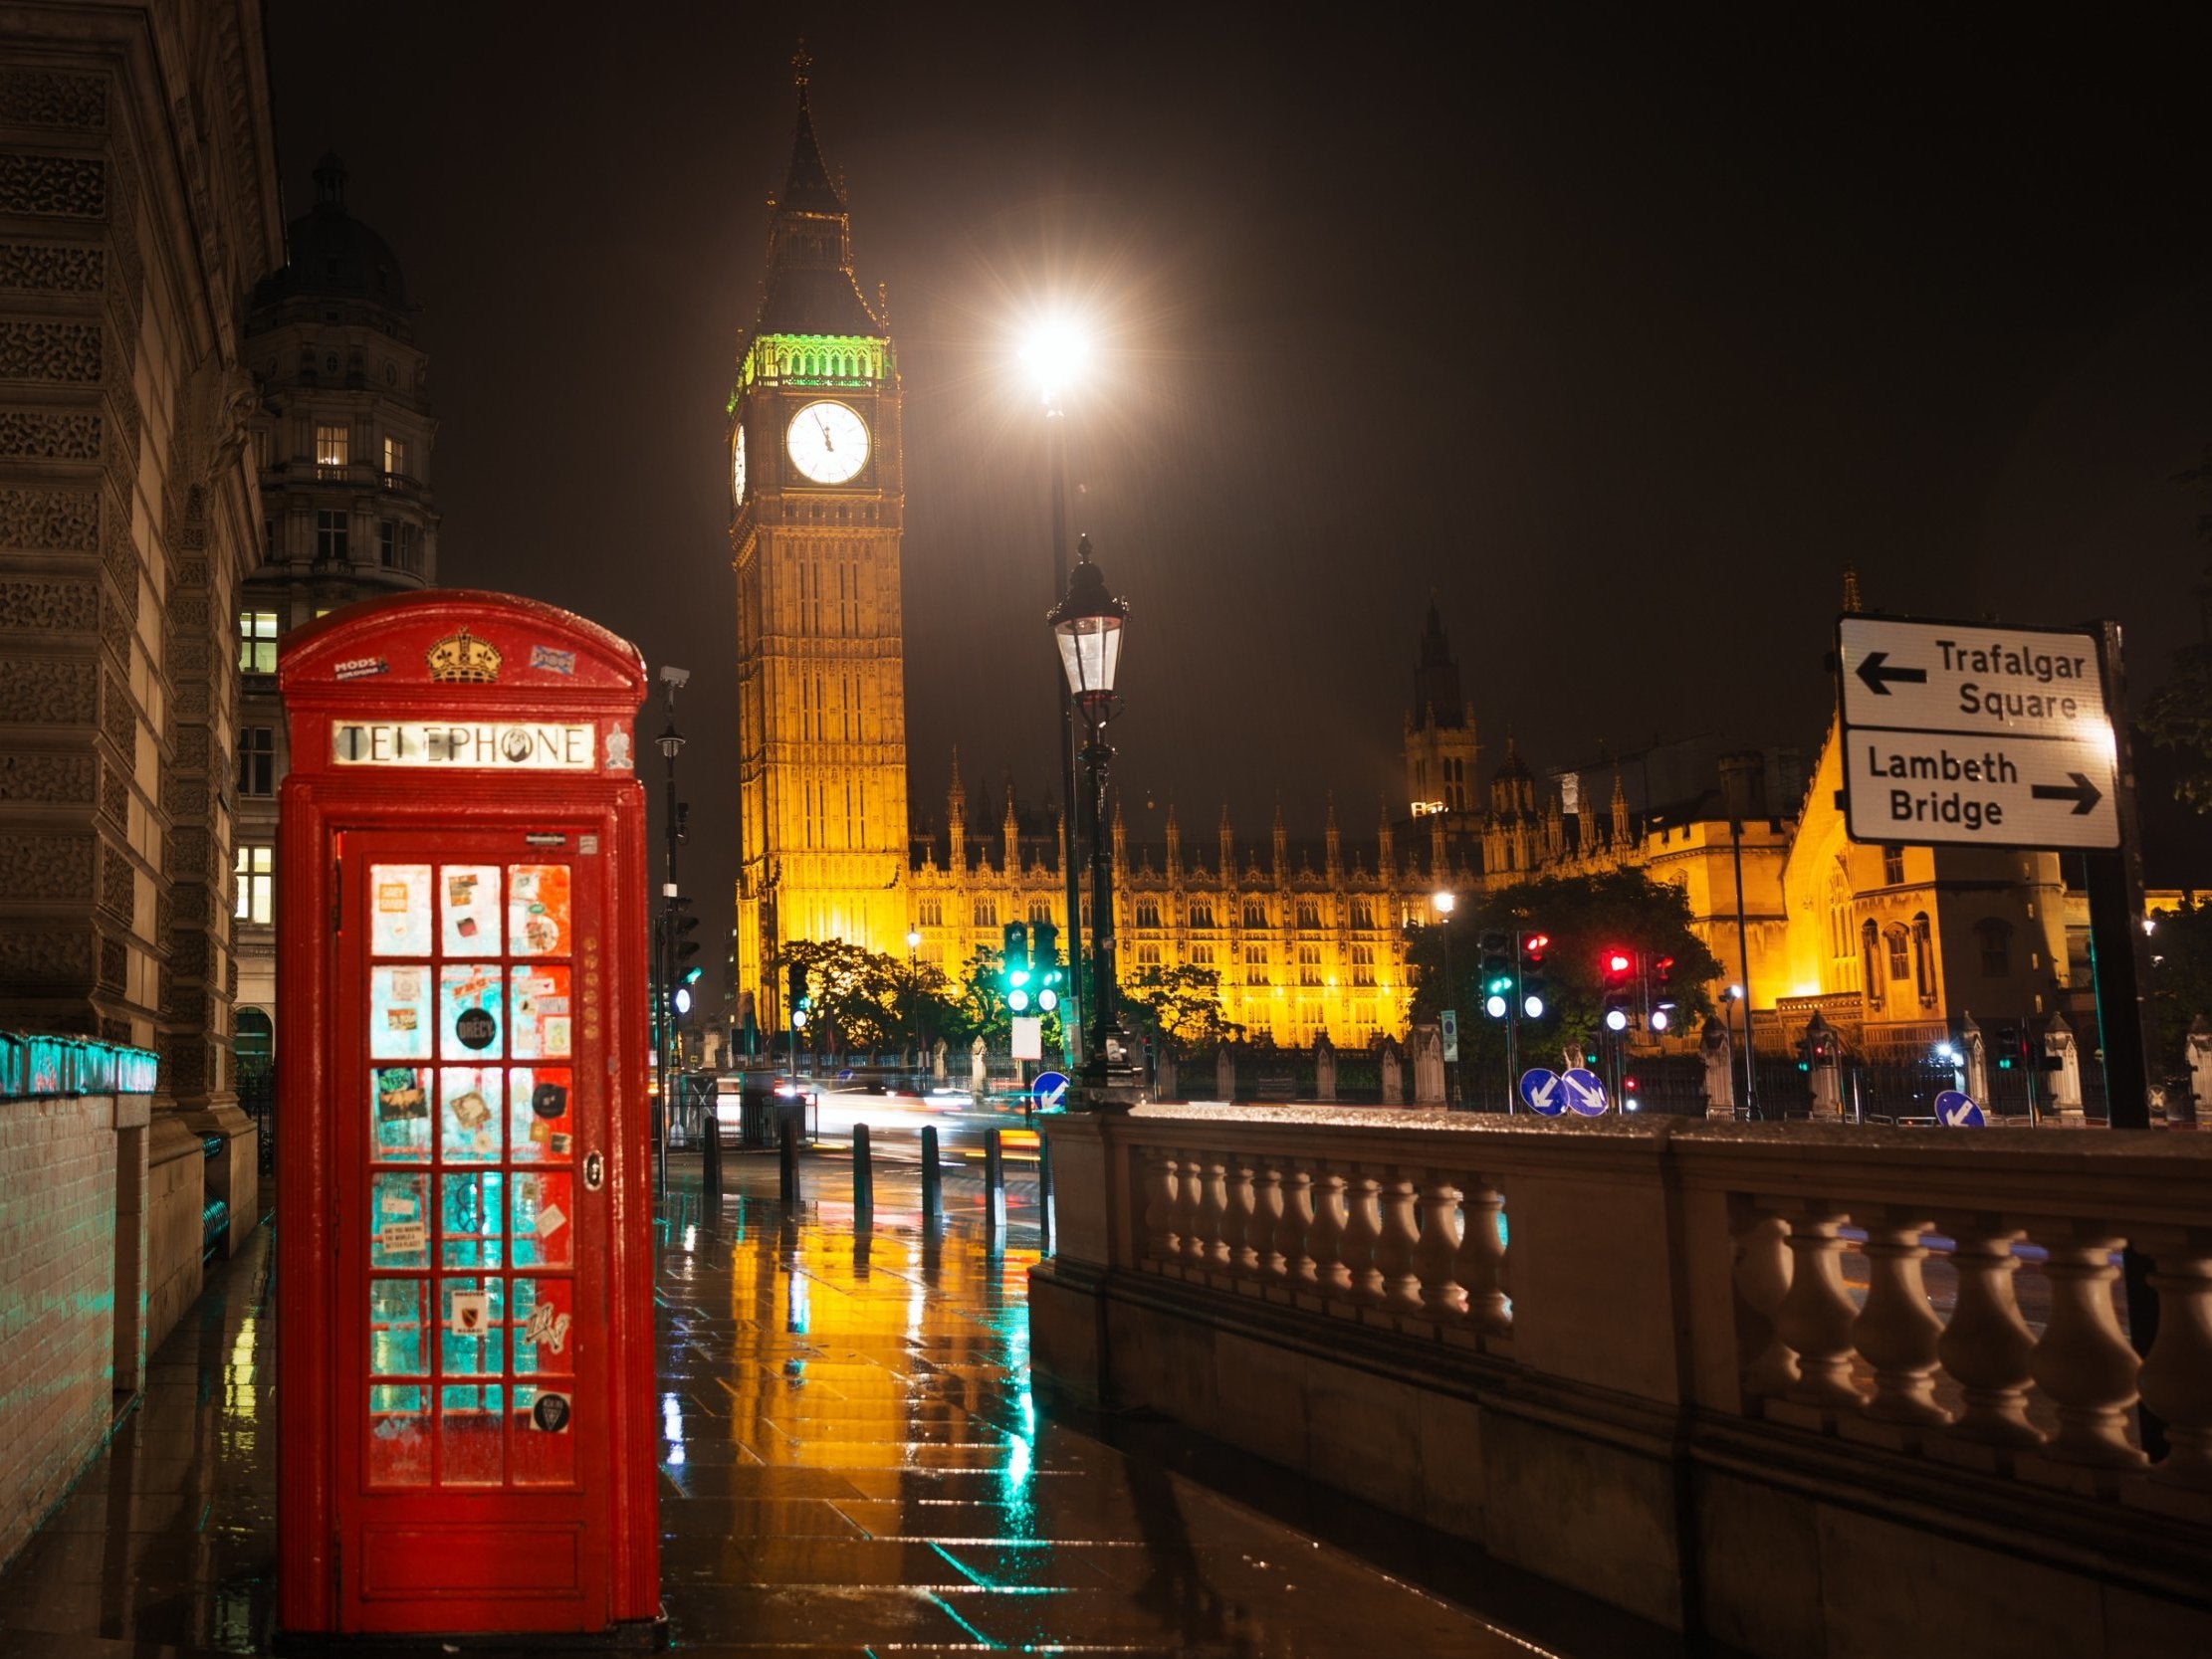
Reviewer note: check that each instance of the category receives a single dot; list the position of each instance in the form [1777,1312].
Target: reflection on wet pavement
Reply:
[852,1463]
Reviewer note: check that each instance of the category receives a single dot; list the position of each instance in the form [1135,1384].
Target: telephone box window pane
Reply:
[538,910]
[469,1230]
[545,1311]
[469,1435]
[399,1220]
[470,1010]
[399,1013]
[470,1342]
[399,1122]
[395,1327]
[541,1005]
[401,897]
[469,1115]
[543,1455]
[540,1114]
[398,1435]
[545,1212]
[468,903]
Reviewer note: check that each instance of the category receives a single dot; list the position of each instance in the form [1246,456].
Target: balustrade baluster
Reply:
[1239,1212]
[1897,1331]
[1985,1346]
[1362,1230]
[2084,1363]
[1331,1217]
[1161,1239]
[1395,1243]
[1442,1294]
[1212,1213]
[1762,1281]
[1264,1236]
[1815,1314]
[1293,1238]
[2176,1378]
[1190,1194]
[1480,1263]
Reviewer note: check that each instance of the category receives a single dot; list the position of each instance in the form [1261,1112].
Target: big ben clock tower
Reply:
[817,506]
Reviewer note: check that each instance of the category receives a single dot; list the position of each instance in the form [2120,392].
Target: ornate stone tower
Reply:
[817,506]
[1440,748]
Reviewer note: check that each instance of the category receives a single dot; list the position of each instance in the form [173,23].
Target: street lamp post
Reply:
[914,998]
[1087,626]
[1444,902]
[1739,783]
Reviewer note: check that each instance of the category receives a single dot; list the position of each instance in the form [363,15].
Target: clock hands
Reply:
[828,443]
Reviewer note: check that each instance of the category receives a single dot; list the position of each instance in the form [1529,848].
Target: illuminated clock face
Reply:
[827,442]
[737,465]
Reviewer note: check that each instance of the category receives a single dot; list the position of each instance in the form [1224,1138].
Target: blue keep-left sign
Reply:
[1954,1110]
[1541,1093]
[1050,1090]
[1585,1092]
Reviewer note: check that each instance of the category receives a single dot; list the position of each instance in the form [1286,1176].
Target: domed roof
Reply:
[332,253]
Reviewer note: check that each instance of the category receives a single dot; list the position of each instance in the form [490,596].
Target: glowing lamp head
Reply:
[1616,1019]
[914,938]
[1445,902]
[1054,351]
[1086,625]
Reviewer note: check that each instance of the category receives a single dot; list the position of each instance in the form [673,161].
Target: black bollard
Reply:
[863,1178]
[789,1160]
[994,1187]
[933,1178]
[1045,1195]
[710,1166]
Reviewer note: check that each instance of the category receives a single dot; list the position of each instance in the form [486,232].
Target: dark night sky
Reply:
[1622,342]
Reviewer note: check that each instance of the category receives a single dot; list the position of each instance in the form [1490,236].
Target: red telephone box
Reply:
[465,1296]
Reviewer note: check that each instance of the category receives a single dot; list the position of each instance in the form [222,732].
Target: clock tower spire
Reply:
[817,509]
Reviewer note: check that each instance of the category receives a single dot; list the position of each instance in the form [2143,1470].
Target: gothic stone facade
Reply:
[137,206]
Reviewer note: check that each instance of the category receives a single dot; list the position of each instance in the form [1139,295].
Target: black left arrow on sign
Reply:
[2082,792]
[1877,677]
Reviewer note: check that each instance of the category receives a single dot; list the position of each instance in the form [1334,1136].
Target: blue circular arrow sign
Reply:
[1954,1110]
[1050,1089]
[1585,1092]
[1541,1093]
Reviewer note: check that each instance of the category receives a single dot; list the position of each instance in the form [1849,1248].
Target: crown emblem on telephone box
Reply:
[462,657]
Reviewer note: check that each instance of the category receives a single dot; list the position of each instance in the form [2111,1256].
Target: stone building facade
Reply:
[341,440]
[138,204]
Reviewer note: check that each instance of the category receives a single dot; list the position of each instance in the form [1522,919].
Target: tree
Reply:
[1583,915]
[1180,1005]
[2181,979]
[2179,716]
[868,999]
[980,1009]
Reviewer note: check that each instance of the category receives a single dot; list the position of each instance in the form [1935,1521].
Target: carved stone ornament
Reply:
[62,521]
[68,352]
[53,97]
[49,434]
[46,865]
[464,658]
[48,777]
[59,186]
[34,691]
[52,268]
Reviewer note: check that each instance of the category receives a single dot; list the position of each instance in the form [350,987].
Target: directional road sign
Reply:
[1448,1021]
[1585,1092]
[1975,735]
[1954,1110]
[1541,1093]
[1049,1089]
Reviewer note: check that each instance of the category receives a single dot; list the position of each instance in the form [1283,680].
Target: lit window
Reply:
[331,537]
[257,642]
[257,761]
[1148,913]
[986,912]
[1148,955]
[1900,962]
[1893,866]
[330,445]
[1202,913]
[395,457]
[1363,914]
[1362,965]
[1309,964]
[255,869]
[1309,913]
[1255,913]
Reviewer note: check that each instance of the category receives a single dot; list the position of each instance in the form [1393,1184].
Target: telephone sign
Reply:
[465,1282]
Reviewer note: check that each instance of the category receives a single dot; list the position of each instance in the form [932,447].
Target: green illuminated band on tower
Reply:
[853,360]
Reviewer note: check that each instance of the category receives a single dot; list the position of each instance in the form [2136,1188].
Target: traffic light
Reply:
[794,983]
[1616,977]
[681,925]
[1014,966]
[1663,993]
[1630,1099]
[1534,946]
[1044,962]
[2009,1046]
[1817,1047]
[680,997]
[1497,975]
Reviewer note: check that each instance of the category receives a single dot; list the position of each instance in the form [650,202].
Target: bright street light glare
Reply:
[1445,902]
[1055,350]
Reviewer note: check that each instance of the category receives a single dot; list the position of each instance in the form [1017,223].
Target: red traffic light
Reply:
[1534,946]
[1617,961]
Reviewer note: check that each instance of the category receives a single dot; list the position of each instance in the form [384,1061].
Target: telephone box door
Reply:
[472,1351]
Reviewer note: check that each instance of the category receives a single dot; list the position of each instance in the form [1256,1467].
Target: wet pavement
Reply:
[853,1463]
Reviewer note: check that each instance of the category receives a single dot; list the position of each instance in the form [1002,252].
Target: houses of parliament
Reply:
[1306,937]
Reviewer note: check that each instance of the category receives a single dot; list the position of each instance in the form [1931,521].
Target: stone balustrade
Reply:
[1940,1310]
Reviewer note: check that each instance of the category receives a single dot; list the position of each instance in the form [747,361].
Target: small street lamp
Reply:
[671,743]
[1087,627]
[1444,902]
